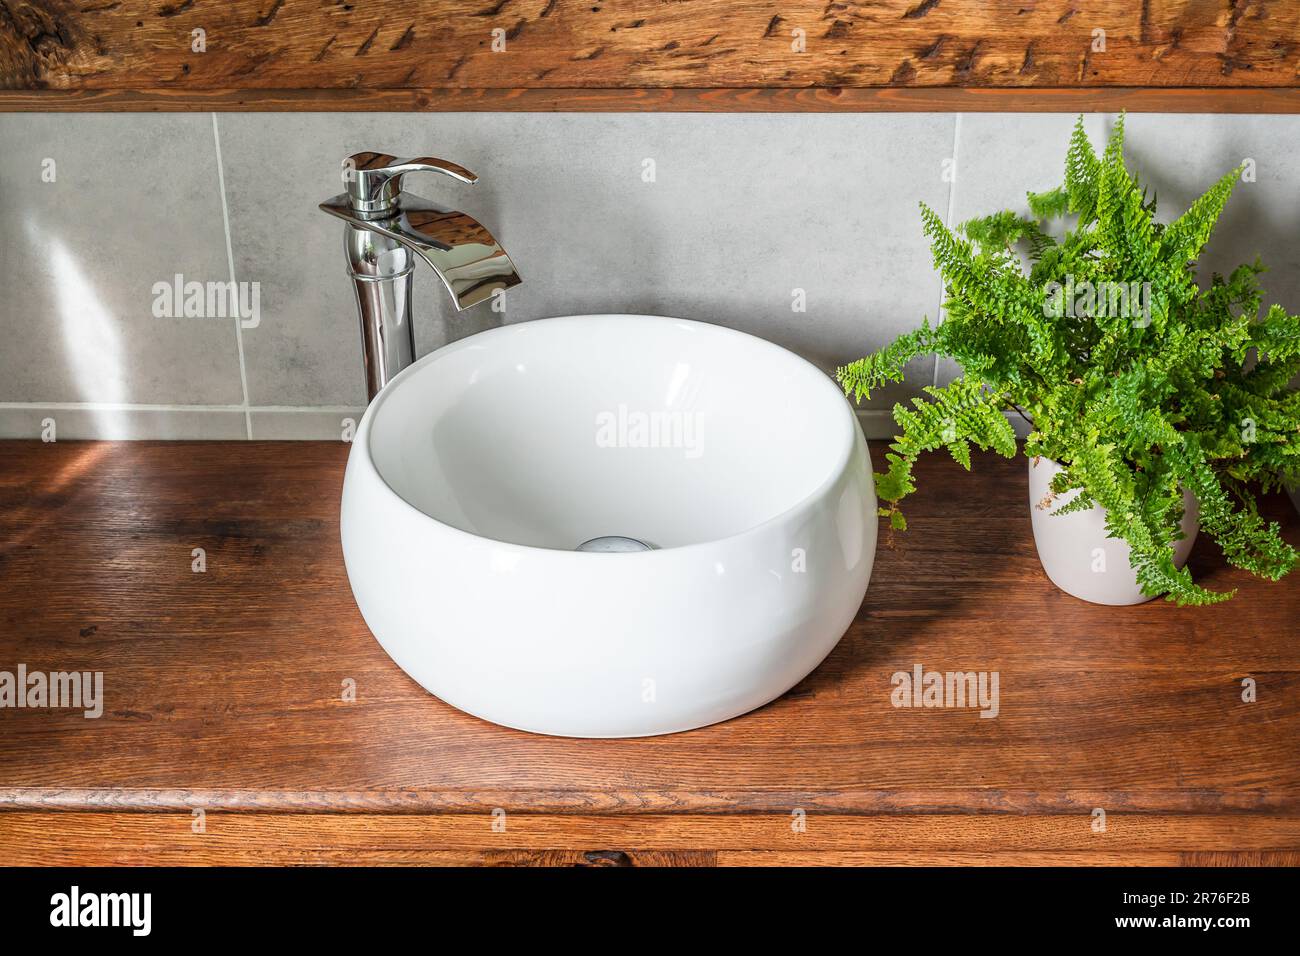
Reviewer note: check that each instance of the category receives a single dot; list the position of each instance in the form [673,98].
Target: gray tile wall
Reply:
[743,210]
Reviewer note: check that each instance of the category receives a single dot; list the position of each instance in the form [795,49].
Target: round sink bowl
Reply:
[720,486]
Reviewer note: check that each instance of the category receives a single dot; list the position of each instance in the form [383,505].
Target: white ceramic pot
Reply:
[1075,551]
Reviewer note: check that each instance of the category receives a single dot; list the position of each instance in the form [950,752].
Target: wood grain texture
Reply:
[730,100]
[435,53]
[125,839]
[223,690]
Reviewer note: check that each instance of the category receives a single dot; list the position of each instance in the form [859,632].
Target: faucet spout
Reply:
[469,261]
[385,229]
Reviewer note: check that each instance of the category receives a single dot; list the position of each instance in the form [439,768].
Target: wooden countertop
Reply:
[224,693]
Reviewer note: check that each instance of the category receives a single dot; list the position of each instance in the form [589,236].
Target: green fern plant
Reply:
[1189,390]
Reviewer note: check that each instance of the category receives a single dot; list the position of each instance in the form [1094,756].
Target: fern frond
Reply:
[1052,204]
[875,370]
[956,415]
[1081,171]
[1186,236]
[1246,540]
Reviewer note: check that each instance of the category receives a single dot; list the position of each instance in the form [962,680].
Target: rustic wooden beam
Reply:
[735,100]
[610,54]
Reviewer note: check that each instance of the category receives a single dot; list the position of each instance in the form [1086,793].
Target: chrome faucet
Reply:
[385,228]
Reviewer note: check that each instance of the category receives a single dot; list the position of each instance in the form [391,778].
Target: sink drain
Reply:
[613,544]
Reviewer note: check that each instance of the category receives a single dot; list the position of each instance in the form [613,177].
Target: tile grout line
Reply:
[146,407]
[952,202]
[877,424]
[230,262]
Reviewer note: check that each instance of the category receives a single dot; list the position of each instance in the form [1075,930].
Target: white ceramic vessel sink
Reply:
[479,470]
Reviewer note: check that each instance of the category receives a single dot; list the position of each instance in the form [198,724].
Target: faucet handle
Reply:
[374,180]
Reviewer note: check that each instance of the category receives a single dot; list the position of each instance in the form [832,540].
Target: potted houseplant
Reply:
[1152,403]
